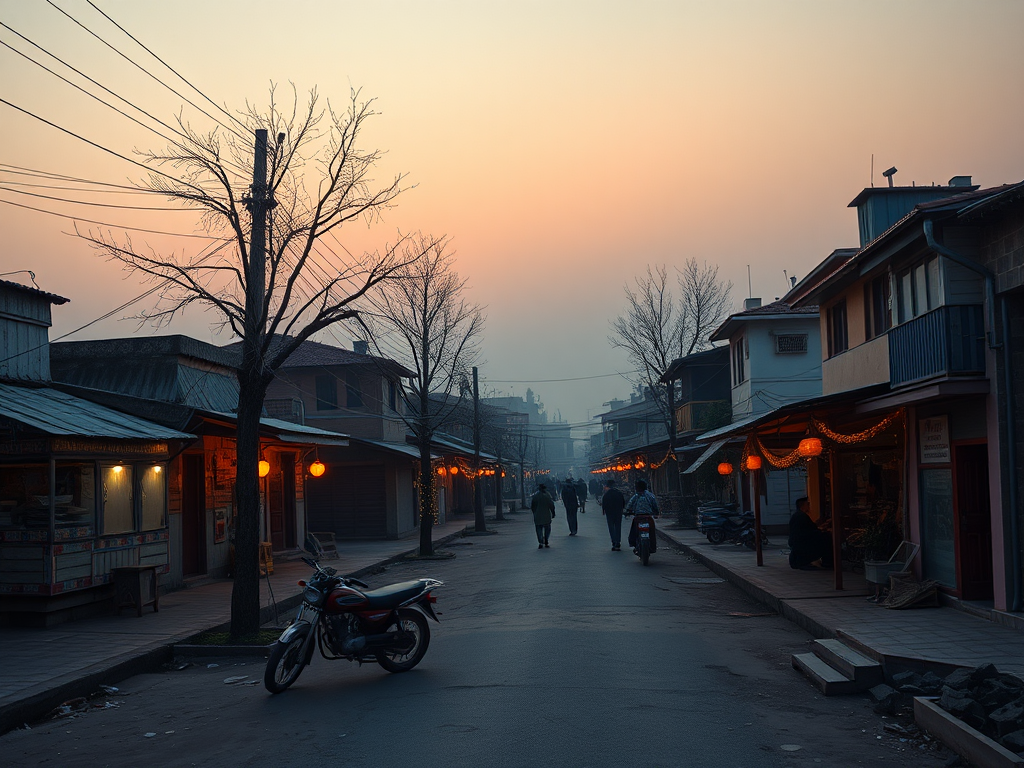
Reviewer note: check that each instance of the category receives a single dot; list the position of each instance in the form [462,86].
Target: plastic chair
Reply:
[323,544]
[877,572]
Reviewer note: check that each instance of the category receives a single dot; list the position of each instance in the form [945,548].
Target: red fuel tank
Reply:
[344,599]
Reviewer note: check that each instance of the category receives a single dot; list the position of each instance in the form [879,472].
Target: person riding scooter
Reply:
[643,502]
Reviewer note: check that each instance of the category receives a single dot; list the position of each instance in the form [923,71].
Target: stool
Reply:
[136,586]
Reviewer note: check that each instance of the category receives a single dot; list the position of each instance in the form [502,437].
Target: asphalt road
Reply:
[568,656]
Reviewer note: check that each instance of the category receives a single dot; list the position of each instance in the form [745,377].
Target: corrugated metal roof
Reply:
[313,354]
[290,432]
[405,449]
[53,298]
[58,413]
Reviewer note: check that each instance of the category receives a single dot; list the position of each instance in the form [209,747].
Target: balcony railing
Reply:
[702,415]
[948,341]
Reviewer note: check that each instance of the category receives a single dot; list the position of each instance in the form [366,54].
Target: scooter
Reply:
[721,525]
[646,538]
[386,625]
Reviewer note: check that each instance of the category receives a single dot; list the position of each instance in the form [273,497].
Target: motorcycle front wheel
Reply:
[645,551]
[405,656]
[285,663]
[716,535]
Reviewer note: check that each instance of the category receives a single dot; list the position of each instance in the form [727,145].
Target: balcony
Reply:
[702,415]
[948,341]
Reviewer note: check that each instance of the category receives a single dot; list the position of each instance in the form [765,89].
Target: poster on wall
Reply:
[933,434]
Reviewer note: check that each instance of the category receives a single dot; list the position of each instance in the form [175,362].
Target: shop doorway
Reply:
[973,521]
[281,503]
[193,515]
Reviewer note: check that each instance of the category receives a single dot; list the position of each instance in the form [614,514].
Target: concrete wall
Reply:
[860,366]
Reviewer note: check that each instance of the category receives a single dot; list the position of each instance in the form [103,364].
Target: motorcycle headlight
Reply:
[312,595]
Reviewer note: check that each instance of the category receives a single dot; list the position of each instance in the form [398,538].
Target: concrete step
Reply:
[829,680]
[855,666]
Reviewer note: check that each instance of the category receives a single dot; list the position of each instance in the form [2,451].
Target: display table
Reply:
[136,586]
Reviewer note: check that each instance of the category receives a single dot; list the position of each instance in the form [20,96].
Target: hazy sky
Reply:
[562,145]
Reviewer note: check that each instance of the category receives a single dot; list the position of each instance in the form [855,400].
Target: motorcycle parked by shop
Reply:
[720,524]
[345,620]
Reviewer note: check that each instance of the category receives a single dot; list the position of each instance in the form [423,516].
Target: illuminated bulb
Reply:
[118,469]
[158,469]
[317,468]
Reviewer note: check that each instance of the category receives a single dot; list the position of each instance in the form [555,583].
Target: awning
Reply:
[57,413]
[403,448]
[289,432]
[711,451]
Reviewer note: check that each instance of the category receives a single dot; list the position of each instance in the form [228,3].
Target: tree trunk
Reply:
[428,507]
[245,593]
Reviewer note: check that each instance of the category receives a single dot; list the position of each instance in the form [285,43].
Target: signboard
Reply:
[933,436]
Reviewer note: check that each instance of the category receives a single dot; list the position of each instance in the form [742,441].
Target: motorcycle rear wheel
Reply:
[716,535]
[645,551]
[403,659]
[285,663]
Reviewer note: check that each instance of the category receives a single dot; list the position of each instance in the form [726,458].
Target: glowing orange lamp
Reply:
[753,462]
[454,469]
[264,469]
[725,468]
[809,447]
[317,468]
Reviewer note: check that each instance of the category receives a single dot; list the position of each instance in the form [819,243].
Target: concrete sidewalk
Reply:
[41,668]
[916,637]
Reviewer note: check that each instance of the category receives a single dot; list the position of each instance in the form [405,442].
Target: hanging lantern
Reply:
[317,468]
[809,447]
[753,462]
[640,464]
[264,468]
[442,471]
[725,468]
[453,469]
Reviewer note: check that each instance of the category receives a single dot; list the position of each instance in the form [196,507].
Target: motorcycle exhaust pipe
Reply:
[359,644]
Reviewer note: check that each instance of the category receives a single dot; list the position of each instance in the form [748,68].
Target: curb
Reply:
[44,698]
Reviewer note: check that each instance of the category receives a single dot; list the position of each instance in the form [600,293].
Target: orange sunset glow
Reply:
[562,146]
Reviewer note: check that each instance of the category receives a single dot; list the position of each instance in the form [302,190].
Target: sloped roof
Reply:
[57,413]
[53,298]
[776,310]
[315,354]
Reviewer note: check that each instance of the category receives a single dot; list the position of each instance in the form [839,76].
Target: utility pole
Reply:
[478,489]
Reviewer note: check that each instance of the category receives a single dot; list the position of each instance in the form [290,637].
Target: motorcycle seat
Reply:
[393,595]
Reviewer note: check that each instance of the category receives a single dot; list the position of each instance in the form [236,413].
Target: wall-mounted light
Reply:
[264,468]
[725,468]
[158,469]
[118,469]
[809,447]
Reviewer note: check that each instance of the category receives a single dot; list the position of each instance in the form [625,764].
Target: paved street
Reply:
[569,656]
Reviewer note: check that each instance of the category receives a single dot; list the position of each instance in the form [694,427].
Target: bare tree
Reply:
[430,327]
[269,280]
[659,327]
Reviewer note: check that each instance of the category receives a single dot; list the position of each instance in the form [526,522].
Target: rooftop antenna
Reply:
[786,275]
[750,288]
[889,174]
[872,169]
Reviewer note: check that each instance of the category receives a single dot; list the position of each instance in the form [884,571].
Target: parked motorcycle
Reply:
[386,625]
[720,524]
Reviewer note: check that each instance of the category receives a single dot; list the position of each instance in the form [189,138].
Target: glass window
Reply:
[354,395]
[739,374]
[934,291]
[937,534]
[326,393]
[838,338]
[920,290]
[25,496]
[906,297]
[154,504]
[118,514]
[76,494]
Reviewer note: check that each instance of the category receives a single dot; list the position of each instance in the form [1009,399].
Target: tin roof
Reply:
[314,354]
[58,413]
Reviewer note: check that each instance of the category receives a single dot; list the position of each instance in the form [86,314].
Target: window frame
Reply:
[324,399]
[838,328]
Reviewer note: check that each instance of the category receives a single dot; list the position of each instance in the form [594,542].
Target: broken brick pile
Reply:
[986,699]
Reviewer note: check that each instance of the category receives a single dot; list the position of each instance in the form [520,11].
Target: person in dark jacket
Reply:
[543,508]
[612,503]
[581,494]
[572,503]
[806,542]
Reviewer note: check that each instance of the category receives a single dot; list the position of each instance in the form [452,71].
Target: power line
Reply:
[551,381]
[144,70]
[115,226]
[100,205]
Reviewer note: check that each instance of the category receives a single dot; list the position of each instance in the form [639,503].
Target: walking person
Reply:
[581,494]
[572,503]
[643,502]
[543,507]
[612,504]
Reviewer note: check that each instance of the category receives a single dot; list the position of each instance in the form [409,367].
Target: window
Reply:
[739,374]
[838,338]
[153,498]
[393,395]
[326,393]
[877,314]
[353,395]
[790,343]
[118,512]
[918,290]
